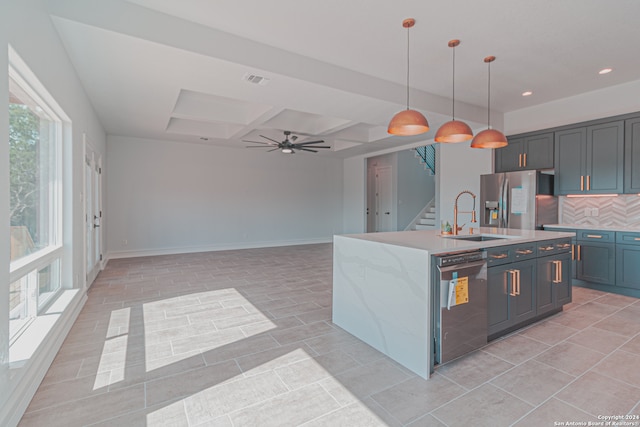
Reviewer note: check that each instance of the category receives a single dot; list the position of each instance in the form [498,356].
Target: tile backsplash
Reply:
[623,210]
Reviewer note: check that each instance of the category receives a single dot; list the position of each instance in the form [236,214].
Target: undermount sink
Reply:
[477,238]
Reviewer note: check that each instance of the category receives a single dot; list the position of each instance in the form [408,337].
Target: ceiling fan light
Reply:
[287,150]
[454,131]
[489,138]
[407,123]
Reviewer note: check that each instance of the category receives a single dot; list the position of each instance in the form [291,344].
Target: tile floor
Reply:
[244,338]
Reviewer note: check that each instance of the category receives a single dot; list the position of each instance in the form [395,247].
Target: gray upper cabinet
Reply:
[590,159]
[632,156]
[526,153]
[571,155]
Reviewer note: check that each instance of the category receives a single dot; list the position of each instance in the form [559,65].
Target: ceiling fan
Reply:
[288,146]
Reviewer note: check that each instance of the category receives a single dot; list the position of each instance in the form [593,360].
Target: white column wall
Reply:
[459,168]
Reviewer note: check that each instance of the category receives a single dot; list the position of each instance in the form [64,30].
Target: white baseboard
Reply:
[212,248]
[25,383]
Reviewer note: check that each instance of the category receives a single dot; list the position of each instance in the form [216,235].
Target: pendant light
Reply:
[408,122]
[489,138]
[454,130]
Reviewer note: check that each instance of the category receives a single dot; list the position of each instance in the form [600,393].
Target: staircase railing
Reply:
[427,156]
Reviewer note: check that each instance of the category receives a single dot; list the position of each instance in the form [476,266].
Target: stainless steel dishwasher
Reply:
[460,304]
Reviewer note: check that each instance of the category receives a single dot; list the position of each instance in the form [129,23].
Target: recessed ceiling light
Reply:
[527,93]
[203,138]
[605,71]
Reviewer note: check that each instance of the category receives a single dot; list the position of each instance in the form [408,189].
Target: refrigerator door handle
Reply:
[505,203]
[501,204]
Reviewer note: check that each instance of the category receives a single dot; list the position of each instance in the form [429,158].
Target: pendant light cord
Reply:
[408,28]
[453,91]
[489,98]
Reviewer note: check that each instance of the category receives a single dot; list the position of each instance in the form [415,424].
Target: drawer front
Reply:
[563,245]
[546,247]
[596,236]
[524,251]
[628,238]
[567,230]
[499,255]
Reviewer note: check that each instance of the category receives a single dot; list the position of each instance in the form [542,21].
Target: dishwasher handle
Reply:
[461,266]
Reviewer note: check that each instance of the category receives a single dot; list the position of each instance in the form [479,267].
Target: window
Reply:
[35,191]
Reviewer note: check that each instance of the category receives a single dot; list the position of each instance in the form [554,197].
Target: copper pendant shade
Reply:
[408,122]
[454,130]
[489,138]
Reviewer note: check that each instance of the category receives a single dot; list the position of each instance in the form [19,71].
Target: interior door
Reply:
[371,199]
[93,213]
[384,199]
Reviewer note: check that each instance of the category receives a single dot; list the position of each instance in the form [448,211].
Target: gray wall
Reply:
[415,187]
[168,197]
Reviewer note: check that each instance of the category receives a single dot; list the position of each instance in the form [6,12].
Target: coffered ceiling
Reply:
[218,72]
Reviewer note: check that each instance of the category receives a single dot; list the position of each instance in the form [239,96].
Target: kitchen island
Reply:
[382,290]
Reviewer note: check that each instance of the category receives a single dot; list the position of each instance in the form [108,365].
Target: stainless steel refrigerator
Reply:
[522,200]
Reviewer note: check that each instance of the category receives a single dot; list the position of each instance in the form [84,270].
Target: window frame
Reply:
[54,249]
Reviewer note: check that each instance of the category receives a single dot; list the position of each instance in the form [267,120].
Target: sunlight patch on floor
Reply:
[113,358]
[180,328]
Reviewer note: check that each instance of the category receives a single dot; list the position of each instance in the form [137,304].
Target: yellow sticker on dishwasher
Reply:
[462,290]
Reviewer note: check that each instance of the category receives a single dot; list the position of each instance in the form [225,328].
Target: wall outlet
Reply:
[587,211]
[125,242]
[595,212]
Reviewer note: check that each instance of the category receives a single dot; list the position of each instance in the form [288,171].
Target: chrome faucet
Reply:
[455,212]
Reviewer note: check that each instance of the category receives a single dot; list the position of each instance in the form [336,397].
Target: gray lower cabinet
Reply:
[606,260]
[526,282]
[511,295]
[553,282]
[628,260]
[596,256]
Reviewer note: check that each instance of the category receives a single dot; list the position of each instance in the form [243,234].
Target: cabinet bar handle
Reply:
[594,236]
[524,159]
[579,253]
[588,182]
[518,282]
[558,271]
[524,251]
[573,256]
[581,182]
[501,256]
[546,248]
[512,283]
[520,160]
[636,238]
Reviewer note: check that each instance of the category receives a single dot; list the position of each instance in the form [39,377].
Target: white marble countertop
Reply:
[435,243]
[595,227]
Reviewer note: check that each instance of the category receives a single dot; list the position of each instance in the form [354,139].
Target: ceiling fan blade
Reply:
[255,146]
[306,149]
[259,142]
[277,148]
[310,142]
[315,146]
[266,137]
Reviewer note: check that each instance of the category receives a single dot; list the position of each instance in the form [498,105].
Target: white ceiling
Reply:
[336,69]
